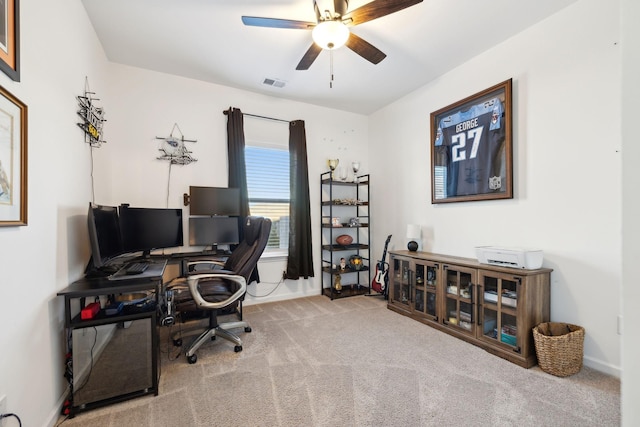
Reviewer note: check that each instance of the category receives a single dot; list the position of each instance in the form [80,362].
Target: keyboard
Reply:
[136,268]
[150,270]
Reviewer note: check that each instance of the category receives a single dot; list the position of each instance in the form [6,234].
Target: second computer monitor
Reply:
[214,201]
[213,231]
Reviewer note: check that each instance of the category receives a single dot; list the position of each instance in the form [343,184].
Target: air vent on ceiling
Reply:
[274,82]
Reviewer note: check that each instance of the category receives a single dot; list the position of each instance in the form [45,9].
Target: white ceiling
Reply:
[206,40]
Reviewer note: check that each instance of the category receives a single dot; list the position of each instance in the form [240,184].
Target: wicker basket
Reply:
[559,347]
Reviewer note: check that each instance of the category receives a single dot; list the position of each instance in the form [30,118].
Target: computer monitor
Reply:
[211,201]
[104,235]
[146,229]
[213,231]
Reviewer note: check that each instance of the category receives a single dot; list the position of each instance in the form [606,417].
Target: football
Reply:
[344,239]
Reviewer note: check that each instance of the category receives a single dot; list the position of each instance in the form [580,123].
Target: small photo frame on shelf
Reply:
[13,160]
[471,148]
[335,222]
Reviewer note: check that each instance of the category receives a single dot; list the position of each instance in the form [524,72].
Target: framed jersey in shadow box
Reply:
[471,148]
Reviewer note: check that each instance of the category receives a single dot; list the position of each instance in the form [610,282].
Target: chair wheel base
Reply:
[247,329]
[177,342]
[237,348]
[192,359]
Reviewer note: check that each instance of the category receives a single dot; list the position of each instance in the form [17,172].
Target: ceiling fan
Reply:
[330,31]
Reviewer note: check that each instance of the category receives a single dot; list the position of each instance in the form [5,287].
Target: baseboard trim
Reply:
[601,366]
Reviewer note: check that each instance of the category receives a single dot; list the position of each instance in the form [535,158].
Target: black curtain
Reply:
[237,167]
[300,260]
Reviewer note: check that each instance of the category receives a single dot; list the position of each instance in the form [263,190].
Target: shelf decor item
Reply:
[338,283]
[355,262]
[333,164]
[344,240]
[342,171]
[356,167]
[13,160]
[471,149]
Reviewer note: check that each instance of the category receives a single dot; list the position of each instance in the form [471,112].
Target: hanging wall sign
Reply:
[174,150]
[92,118]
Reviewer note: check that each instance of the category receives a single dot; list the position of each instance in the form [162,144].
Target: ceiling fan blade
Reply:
[310,56]
[316,9]
[365,49]
[376,9]
[255,21]
[340,6]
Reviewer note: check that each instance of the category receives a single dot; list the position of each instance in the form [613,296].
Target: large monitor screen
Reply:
[146,229]
[104,234]
[213,231]
[211,201]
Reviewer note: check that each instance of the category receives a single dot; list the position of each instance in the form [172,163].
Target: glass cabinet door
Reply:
[425,288]
[498,309]
[459,298]
[401,288]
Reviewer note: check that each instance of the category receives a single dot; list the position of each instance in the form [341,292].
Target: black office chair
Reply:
[221,290]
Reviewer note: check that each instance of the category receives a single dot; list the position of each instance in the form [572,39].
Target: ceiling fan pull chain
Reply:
[331,68]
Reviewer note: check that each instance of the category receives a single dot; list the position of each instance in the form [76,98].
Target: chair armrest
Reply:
[208,261]
[192,281]
[212,263]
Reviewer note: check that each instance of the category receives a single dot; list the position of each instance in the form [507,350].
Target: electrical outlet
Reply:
[3,408]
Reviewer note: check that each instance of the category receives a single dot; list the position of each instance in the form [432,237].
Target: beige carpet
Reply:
[352,362]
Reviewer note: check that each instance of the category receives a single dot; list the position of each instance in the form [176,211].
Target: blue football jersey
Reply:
[470,144]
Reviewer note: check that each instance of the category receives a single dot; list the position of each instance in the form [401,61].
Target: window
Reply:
[268,187]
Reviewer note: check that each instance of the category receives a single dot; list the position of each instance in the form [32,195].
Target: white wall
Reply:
[144,105]
[58,49]
[567,180]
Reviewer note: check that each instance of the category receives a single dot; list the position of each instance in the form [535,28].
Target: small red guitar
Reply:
[380,279]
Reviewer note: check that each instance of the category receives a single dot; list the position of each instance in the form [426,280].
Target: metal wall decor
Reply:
[92,117]
[174,150]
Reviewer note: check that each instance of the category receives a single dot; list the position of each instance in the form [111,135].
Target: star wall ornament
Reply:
[174,150]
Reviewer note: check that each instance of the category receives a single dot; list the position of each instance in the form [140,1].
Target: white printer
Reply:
[529,259]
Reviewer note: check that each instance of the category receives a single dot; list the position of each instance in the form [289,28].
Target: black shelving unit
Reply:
[343,201]
[110,358]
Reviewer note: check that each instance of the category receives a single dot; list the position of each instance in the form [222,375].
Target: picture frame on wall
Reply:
[13,160]
[471,148]
[10,38]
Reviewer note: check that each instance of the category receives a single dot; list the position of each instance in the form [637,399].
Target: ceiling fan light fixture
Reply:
[330,34]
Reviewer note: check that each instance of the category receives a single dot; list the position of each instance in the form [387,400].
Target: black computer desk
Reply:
[87,290]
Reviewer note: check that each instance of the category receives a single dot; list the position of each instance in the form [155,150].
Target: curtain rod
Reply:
[226,112]
[267,118]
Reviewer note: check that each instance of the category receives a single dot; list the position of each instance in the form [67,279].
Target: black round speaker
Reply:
[412,246]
